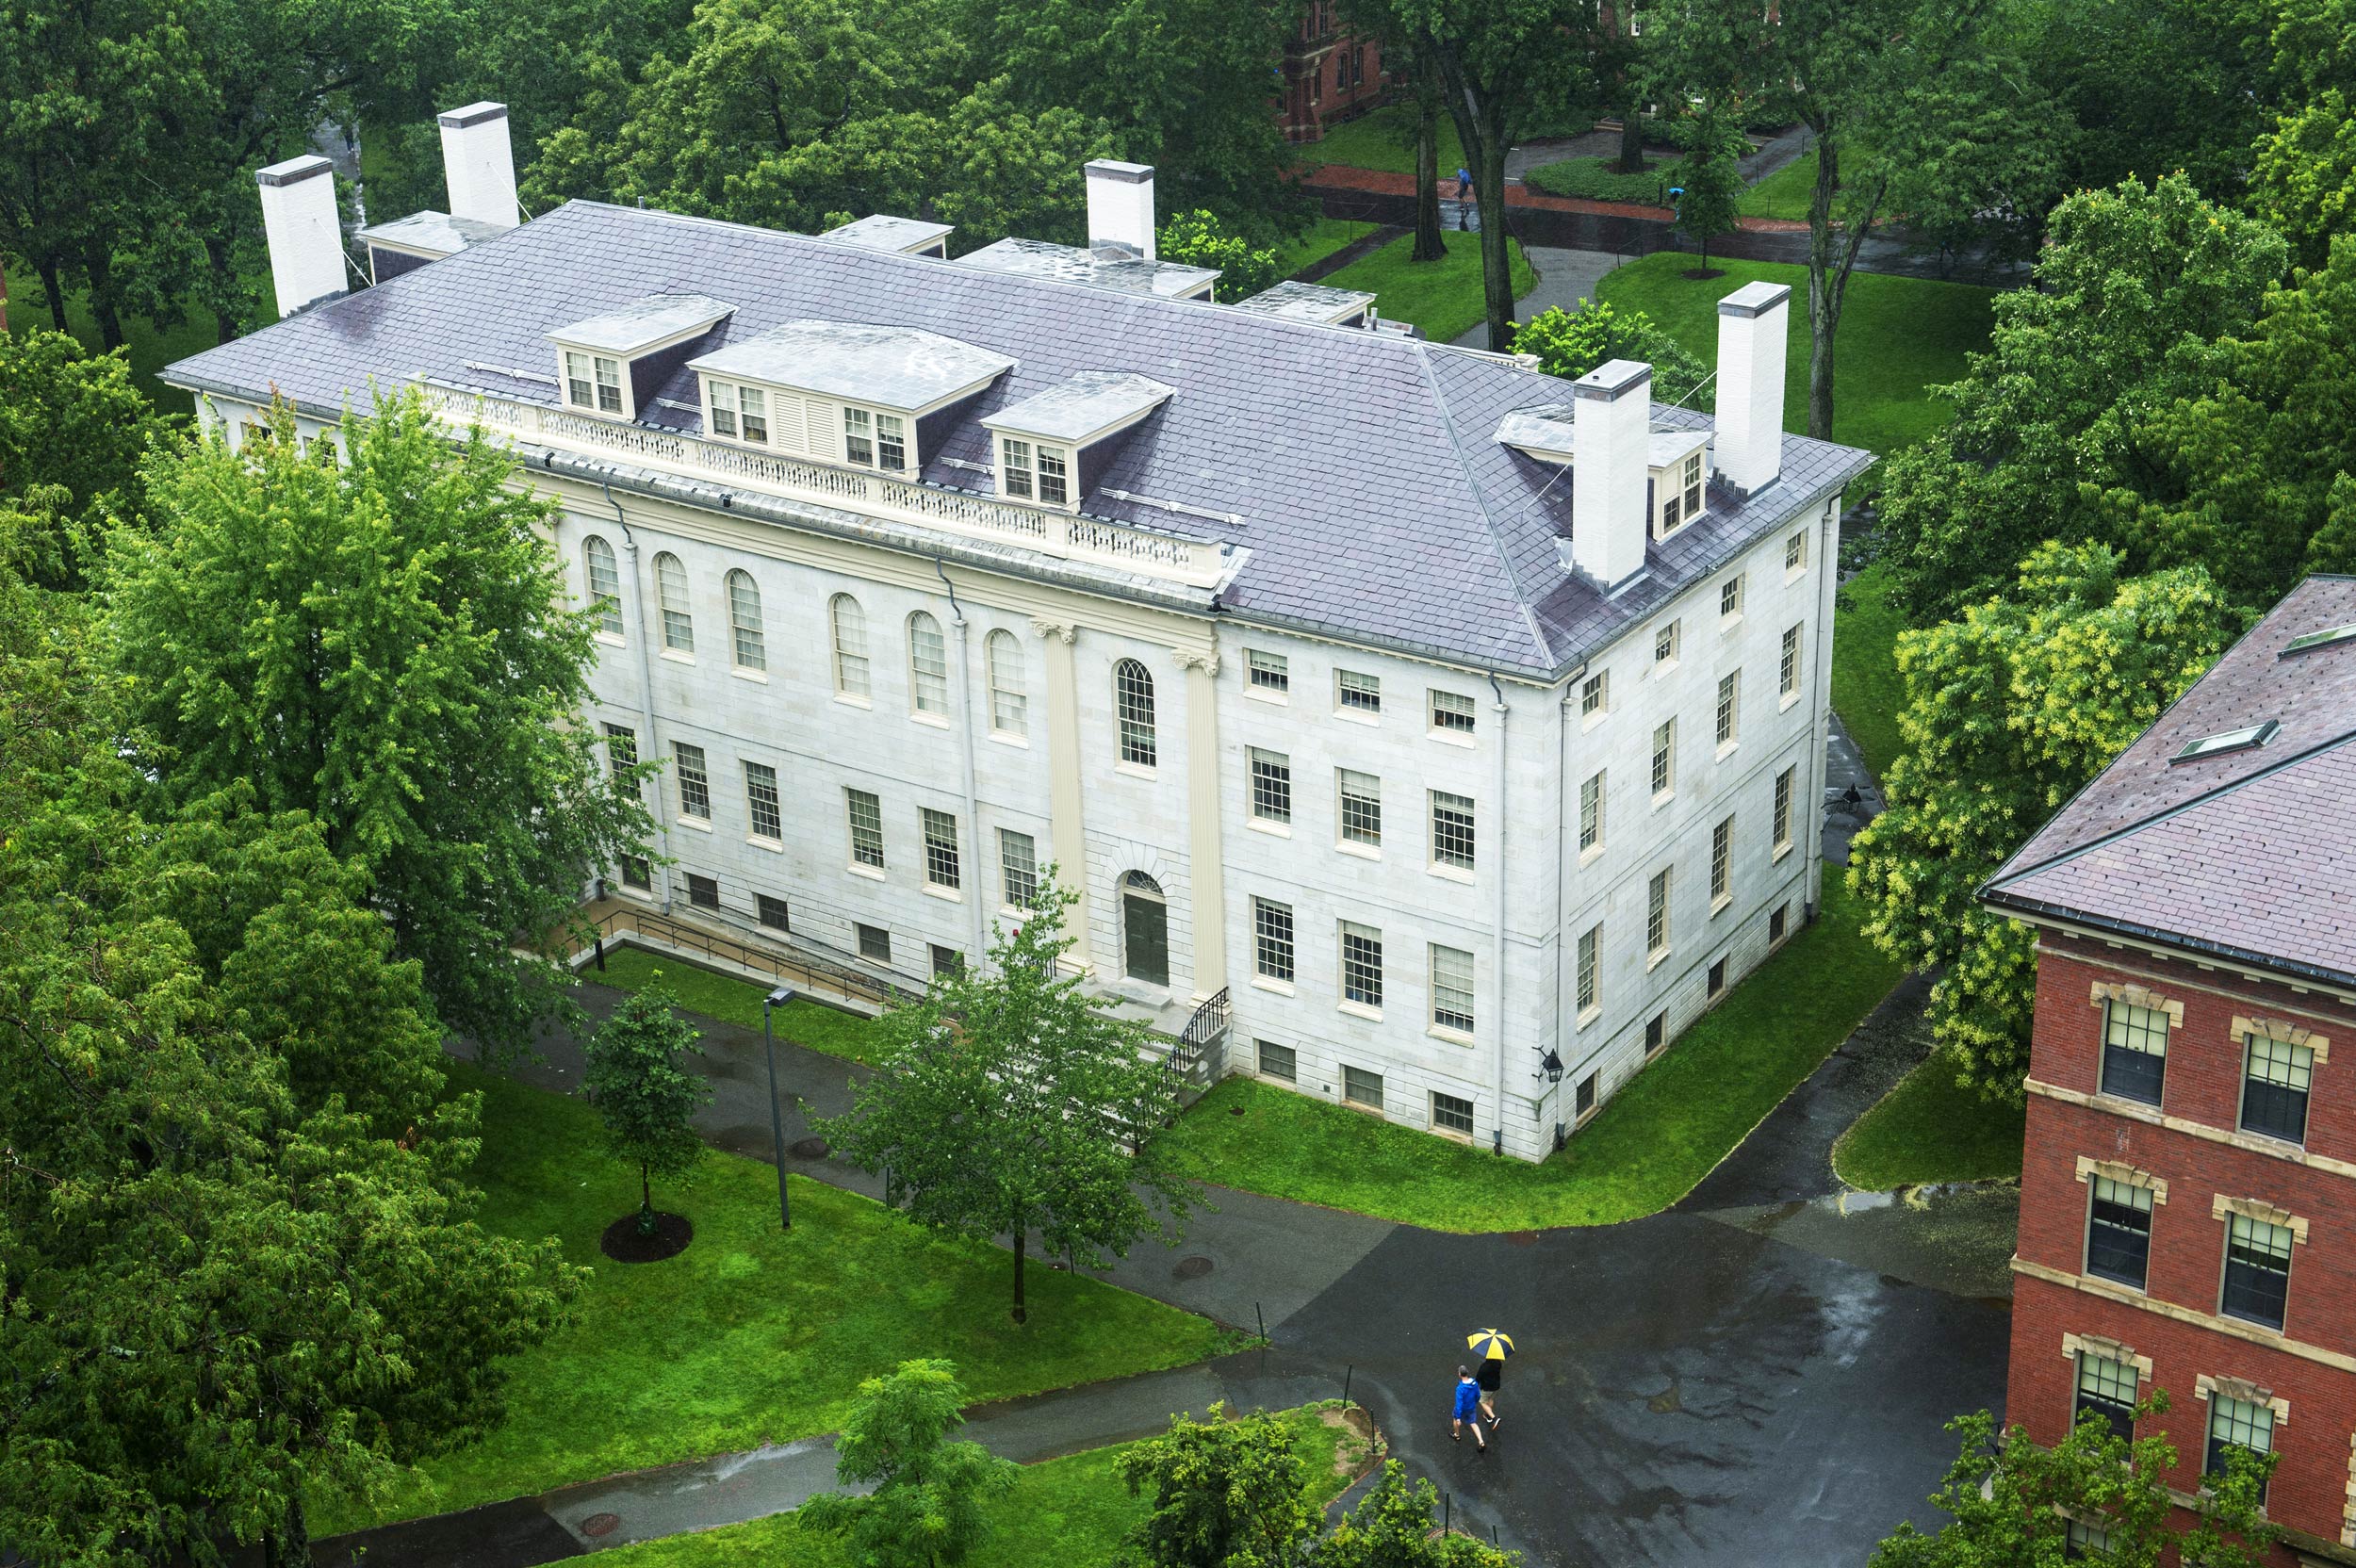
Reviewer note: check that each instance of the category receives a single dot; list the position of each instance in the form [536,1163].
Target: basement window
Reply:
[2228,741]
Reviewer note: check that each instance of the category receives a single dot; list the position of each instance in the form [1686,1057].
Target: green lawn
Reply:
[1865,689]
[735,1001]
[1595,179]
[1071,1510]
[1930,1129]
[1784,193]
[1646,1149]
[1325,237]
[1383,139]
[1898,337]
[151,349]
[1442,297]
[751,1335]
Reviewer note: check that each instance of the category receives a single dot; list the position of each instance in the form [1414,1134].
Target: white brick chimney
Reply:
[480,164]
[1121,206]
[1612,435]
[1754,324]
[305,232]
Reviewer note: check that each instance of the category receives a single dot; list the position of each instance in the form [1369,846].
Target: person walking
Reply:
[1492,1374]
[1467,1408]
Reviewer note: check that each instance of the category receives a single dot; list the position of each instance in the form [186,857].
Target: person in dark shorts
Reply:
[1467,1408]
[1492,1374]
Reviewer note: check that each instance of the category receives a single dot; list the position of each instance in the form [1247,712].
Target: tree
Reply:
[634,1073]
[1388,24]
[2014,1506]
[1570,343]
[1392,1527]
[927,1508]
[1198,241]
[2134,290]
[2304,179]
[73,431]
[384,645]
[1710,173]
[1226,1493]
[2008,712]
[1009,1101]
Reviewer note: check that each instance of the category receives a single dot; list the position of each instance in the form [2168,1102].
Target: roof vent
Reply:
[2231,740]
[2329,637]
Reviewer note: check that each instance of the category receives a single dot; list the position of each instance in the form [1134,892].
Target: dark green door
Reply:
[1144,929]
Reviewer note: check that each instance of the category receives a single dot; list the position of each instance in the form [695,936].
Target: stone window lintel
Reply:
[2252,1208]
[2139,996]
[2120,1172]
[2289,1033]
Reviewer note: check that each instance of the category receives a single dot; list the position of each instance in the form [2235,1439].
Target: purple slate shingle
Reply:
[2249,853]
[1373,500]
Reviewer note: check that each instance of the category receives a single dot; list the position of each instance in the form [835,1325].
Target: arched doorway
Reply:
[1144,930]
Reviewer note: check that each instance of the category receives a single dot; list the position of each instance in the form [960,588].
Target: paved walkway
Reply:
[1565,277]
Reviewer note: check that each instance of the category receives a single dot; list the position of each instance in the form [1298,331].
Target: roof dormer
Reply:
[907,236]
[1051,444]
[1675,460]
[610,366]
[873,396]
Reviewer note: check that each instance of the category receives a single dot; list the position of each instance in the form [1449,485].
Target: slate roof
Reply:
[1355,468]
[2247,854]
[437,232]
[898,367]
[633,326]
[1106,269]
[1076,409]
[1308,301]
[881,230]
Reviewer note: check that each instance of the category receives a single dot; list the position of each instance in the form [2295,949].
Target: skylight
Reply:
[2324,639]
[2230,741]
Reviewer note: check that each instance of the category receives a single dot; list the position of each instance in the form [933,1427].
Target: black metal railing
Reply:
[802,969]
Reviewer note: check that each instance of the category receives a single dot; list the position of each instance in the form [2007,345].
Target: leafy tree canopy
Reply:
[1198,239]
[1570,343]
[636,1076]
[1709,174]
[73,431]
[1226,1493]
[1392,1526]
[927,1508]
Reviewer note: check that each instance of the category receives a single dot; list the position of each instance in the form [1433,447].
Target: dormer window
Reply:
[1679,470]
[874,440]
[1033,472]
[740,413]
[1040,436]
[842,392]
[592,382]
[615,365]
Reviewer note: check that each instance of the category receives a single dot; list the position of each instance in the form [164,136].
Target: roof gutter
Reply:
[2037,910]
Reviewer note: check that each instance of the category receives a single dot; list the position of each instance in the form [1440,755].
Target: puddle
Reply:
[1953,1237]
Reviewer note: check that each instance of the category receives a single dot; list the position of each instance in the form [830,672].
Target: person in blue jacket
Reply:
[1468,1410]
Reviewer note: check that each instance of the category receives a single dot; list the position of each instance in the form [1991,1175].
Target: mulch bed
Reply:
[623,1243]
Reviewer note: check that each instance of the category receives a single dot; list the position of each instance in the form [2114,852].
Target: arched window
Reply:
[1144,930]
[670,588]
[850,646]
[1009,698]
[1132,693]
[750,649]
[605,584]
[929,665]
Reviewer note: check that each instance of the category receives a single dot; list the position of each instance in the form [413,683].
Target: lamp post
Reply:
[777,998]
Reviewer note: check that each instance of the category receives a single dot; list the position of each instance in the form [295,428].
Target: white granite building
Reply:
[1442,715]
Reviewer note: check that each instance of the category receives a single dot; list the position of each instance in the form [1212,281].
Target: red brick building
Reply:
[2189,1197]
[1330,74]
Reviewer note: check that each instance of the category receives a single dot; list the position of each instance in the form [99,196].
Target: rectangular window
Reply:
[2274,1089]
[1583,1097]
[1664,644]
[2134,1052]
[1452,713]
[1590,954]
[695,785]
[1358,694]
[1783,809]
[892,445]
[947,962]
[1360,1087]
[1788,671]
[1269,671]
[1272,939]
[1730,598]
[772,913]
[755,403]
[1271,786]
[1721,861]
[1451,829]
[2084,1542]
[1362,808]
[866,829]
[621,747]
[1362,964]
[1452,1114]
[1795,552]
[1694,485]
[578,389]
[1018,867]
[859,437]
[875,943]
[2119,1231]
[1664,768]
[1596,695]
[2106,1391]
[929,665]
[1657,913]
[1729,712]
[2257,1270]
[609,385]
[941,847]
[1778,922]
[1055,487]
[637,872]
[760,799]
[2237,1423]
[1717,981]
[1451,988]
[1278,1061]
[1014,468]
[723,395]
[1591,813]
[1656,1033]
[703,891]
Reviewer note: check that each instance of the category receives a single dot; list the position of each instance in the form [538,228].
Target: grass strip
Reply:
[1930,1128]
[1443,297]
[1383,139]
[1867,690]
[733,1000]
[1325,237]
[1785,193]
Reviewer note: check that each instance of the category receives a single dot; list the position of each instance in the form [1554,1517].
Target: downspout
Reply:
[965,760]
[1497,878]
[645,688]
[1565,867]
[1820,722]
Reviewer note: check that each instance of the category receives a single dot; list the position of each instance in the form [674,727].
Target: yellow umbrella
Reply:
[1492,1344]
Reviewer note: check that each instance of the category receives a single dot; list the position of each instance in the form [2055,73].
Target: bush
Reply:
[1198,239]
[1593,179]
[1570,343]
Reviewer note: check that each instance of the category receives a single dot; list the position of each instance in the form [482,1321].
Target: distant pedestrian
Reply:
[1492,1374]
[1467,1408]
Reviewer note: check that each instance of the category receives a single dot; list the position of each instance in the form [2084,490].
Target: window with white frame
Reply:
[1272,939]
[1657,913]
[1788,671]
[747,644]
[592,381]
[740,413]
[2276,1077]
[1271,786]
[1589,961]
[1133,699]
[1362,808]
[941,847]
[1451,829]
[2243,1424]
[760,801]
[1054,476]
[850,645]
[929,665]
[1016,476]
[2106,1391]
[694,784]
[1783,809]
[1665,758]
[678,622]
[1010,684]
[2257,1270]
[867,844]
[2135,1051]
[1452,988]
[1354,692]
[1729,708]
[875,440]
[1594,697]
[892,445]
[1452,713]
[1268,674]
[1664,644]
[1362,964]
[1730,598]
[1018,868]
[1721,863]
[1591,811]
[1795,552]
[605,584]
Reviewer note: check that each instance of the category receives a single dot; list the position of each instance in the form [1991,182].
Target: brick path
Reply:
[1338,177]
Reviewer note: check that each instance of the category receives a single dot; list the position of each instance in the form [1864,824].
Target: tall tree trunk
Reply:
[1632,159]
[4,301]
[102,301]
[1430,246]
[1021,1313]
[646,1199]
[1823,297]
[56,292]
[1497,273]
[225,287]
[288,1546]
